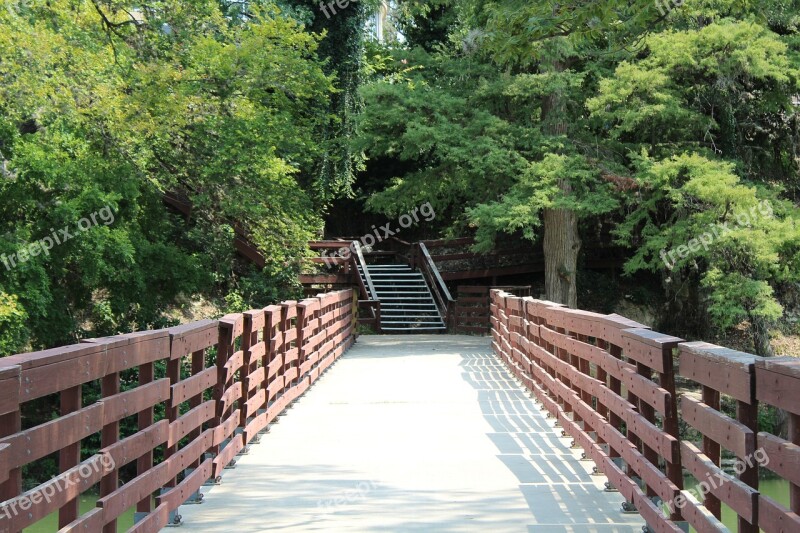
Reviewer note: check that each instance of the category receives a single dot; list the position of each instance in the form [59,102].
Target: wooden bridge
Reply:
[561,420]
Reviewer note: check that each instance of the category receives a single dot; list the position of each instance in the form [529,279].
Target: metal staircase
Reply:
[406,301]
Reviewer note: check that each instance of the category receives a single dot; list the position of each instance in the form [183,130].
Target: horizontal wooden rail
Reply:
[220,383]
[610,383]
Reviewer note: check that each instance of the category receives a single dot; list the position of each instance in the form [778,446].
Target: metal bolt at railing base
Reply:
[609,487]
[231,465]
[563,433]
[629,508]
[583,456]
[213,481]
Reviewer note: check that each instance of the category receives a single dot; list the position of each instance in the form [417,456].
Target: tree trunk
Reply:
[561,246]
[760,330]
[561,240]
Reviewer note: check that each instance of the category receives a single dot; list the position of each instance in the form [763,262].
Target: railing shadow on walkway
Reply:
[392,455]
[561,492]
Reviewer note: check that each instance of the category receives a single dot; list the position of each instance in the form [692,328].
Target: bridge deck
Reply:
[412,433]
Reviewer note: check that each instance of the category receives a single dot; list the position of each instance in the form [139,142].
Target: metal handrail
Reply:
[362,288]
[373,294]
[372,301]
[444,300]
[435,271]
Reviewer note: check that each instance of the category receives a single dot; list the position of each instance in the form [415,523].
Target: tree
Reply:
[110,105]
[705,117]
[530,64]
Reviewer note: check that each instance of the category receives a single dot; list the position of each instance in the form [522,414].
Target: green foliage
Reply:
[539,188]
[13,331]
[706,118]
[343,49]
[673,123]
[427,24]
[446,119]
[725,88]
[110,105]
[479,143]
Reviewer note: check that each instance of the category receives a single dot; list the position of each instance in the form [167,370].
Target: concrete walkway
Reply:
[412,433]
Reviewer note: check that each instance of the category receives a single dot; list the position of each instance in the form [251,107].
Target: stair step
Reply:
[395,274]
[393,287]
[414,319]
[397,282]
[393,280]
[415,328]
[407,305]
[407,322]
[410,313]
[400,288]
[402,298]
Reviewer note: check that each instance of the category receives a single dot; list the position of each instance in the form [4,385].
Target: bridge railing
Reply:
[610,383]
[599,376]
[722,374]
[218,384]
[778,384]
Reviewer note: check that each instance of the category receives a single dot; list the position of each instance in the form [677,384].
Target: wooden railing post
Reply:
[172,409]
[670,422]
[747,414]
[252,321]
[711,449]
[109,386]
[224,351]
[70,455]
[10,423]
[616,387]
[198,366]
[145,419]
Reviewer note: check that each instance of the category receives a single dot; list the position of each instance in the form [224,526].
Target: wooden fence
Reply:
[610,383]
[220,383]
